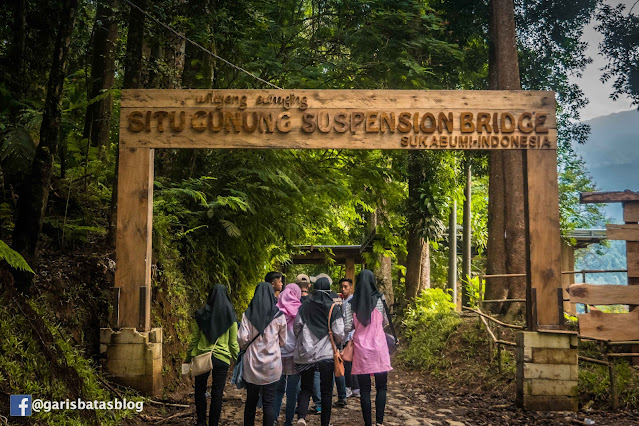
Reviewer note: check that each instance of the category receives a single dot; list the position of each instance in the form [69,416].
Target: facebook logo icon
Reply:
[20,405]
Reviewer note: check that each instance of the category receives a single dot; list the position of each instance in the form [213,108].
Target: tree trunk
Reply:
[35,191]
[506,214]
[384,277]
[383,266]
[415,248]
[415,245]
[19,45]
[452,251]
[134,46]
[424,276]
[466,236]
[98,117]
[132,80]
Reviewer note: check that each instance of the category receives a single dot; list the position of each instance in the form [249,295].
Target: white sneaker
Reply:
[301,422]
[349,392]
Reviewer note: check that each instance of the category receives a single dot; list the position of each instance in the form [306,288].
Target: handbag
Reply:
[202,363]
[391,339]
[347,352]
[238,370]
[337,357]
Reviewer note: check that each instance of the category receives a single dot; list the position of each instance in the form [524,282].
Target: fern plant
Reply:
[13,258]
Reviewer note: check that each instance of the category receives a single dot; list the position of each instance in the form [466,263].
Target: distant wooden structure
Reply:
[617,326]
[347,255]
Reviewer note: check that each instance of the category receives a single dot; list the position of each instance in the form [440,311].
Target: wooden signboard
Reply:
[614,327]
[344,119]
[631,212]
[335,119]
[598,294]
[628,232]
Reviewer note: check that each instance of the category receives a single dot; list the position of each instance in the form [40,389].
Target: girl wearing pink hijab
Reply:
[289,303]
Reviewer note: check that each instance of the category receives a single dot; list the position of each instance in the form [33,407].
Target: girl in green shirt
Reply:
[214,329]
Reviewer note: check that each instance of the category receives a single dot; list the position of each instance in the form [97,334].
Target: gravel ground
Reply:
[413,399]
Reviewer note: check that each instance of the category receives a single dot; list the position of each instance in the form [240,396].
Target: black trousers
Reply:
[220,369]
[351,380]
[326,368]
[365,396]
[268,401]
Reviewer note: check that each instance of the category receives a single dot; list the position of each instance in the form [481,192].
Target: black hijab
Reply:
[314,311]
[365,297]
[262,309]
[217,315]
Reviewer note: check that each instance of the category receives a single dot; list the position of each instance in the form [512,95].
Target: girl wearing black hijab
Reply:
[366,314]
[261,334]
[214,330]
[313,348]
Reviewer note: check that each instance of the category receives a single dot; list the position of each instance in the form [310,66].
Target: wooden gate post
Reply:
[543,237]
[134,350]
[133,238]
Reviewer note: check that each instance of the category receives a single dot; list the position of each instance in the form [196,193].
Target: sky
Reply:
[597,92]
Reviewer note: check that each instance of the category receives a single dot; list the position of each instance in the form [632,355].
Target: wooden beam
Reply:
[627,232]
[339,119]
[600,325]
[133,237]
[632,257]
[631,212]
[597,294]
[608,197]
[543,237]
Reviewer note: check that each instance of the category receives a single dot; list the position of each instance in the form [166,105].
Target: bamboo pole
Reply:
[503,324]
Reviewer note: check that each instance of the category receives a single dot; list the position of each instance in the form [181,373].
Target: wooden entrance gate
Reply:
[340,119]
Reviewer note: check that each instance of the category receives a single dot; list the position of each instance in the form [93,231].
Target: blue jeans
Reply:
[317,394]
[289,385]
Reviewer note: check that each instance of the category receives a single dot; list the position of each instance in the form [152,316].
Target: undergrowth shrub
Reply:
[594,380]
[428,326]
[39,358]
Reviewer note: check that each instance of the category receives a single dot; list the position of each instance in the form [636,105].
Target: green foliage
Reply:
[13,258]
[26,369]
[428,326]
[621,46]
[609,257]
[17,151]
[574,179]
[473,289]
[594,384]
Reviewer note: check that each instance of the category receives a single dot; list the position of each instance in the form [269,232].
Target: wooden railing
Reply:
[581,293]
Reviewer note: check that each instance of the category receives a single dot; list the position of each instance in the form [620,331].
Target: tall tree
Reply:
[35,192]
[467,233]
[621,46]
[98,116]
[506,209]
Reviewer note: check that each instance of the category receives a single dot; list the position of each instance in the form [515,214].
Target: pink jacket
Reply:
[370,351]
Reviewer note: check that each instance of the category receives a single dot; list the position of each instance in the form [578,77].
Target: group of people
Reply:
[286,336]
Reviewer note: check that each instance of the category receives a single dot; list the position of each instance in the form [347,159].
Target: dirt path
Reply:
[413,399]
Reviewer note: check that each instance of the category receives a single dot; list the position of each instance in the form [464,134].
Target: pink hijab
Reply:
[289,302]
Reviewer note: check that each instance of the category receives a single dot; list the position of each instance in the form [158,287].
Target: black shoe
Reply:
[341,403]
[314,410]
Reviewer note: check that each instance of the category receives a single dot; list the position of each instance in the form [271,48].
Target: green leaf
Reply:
[13,258]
